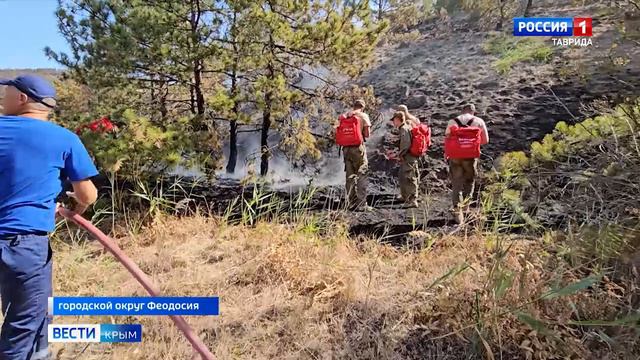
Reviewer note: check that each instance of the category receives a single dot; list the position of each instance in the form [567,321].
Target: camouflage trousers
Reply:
[356,167]
[409,177]
[463,178]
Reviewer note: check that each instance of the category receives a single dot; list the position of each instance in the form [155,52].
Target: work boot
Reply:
[365,208]
[458,216]
[410,204]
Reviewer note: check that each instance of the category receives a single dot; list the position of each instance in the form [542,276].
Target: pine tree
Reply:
[157,46]
[148,56]
[216,61]
[299,37]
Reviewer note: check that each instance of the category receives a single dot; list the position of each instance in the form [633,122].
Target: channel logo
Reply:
[579,26]
[105,333]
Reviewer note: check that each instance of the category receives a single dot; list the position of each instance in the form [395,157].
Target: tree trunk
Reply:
[380,5]
[192,100]
[266,116]
[527,8]
[197,87]
[164,111]
[233,124]
[233,147]
[264,136]
[499,24]
[198,63]
[194,89]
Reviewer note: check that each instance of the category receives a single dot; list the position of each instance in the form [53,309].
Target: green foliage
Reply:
[601,244]
[402,15]
[502,197]
[569,139]
[511,51]
[298,141]
[572,288]
[515,161]
[572,139]
[213,61]
[450,274]
[139,148]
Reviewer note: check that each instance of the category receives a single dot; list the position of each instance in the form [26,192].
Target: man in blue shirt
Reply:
[35,157]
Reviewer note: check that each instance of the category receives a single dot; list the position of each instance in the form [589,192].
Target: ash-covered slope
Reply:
[448,67]
[435,76]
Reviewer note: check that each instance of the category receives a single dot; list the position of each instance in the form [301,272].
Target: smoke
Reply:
[282,171]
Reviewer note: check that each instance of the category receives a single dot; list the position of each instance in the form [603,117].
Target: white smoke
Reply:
[282,174]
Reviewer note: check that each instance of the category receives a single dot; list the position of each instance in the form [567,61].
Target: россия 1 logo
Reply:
[565,31]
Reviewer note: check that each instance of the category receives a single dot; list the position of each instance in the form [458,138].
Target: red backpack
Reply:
[349,132]
[463,141]
[420,140]
[98,126]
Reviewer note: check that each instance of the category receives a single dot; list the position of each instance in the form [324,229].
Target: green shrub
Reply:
[516,161]
[571,139]
[511,178]
[511,51]
[140,148]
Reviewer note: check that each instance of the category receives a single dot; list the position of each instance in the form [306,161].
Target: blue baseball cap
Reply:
[35,87]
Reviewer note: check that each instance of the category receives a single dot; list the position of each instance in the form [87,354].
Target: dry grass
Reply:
[289,294]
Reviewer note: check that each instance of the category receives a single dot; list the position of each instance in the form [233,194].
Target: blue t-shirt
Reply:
[35,158]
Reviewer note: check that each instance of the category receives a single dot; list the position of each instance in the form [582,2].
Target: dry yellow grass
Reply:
[287,293]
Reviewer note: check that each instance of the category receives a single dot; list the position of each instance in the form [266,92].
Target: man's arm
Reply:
[365,132]
[80,169]
[366,125]
[85,194]
[485,133]
[448,130]
[405,142]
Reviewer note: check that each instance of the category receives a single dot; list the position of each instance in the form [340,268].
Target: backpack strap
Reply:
[457,120]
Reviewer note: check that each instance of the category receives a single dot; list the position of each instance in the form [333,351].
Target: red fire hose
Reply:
[142,278]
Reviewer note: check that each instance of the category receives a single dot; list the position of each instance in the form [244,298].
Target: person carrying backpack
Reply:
[463,137]
[351,134]
[411,119]
[414,141]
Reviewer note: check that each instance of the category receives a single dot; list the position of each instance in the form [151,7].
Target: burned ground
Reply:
[435,76]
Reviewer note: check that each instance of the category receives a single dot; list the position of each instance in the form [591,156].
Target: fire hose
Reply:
[139,275]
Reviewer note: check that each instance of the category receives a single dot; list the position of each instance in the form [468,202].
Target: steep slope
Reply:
[448,67]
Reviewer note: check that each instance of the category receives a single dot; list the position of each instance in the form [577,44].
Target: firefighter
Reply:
[463,172]
[351,134]
[408,175]
[412,120]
